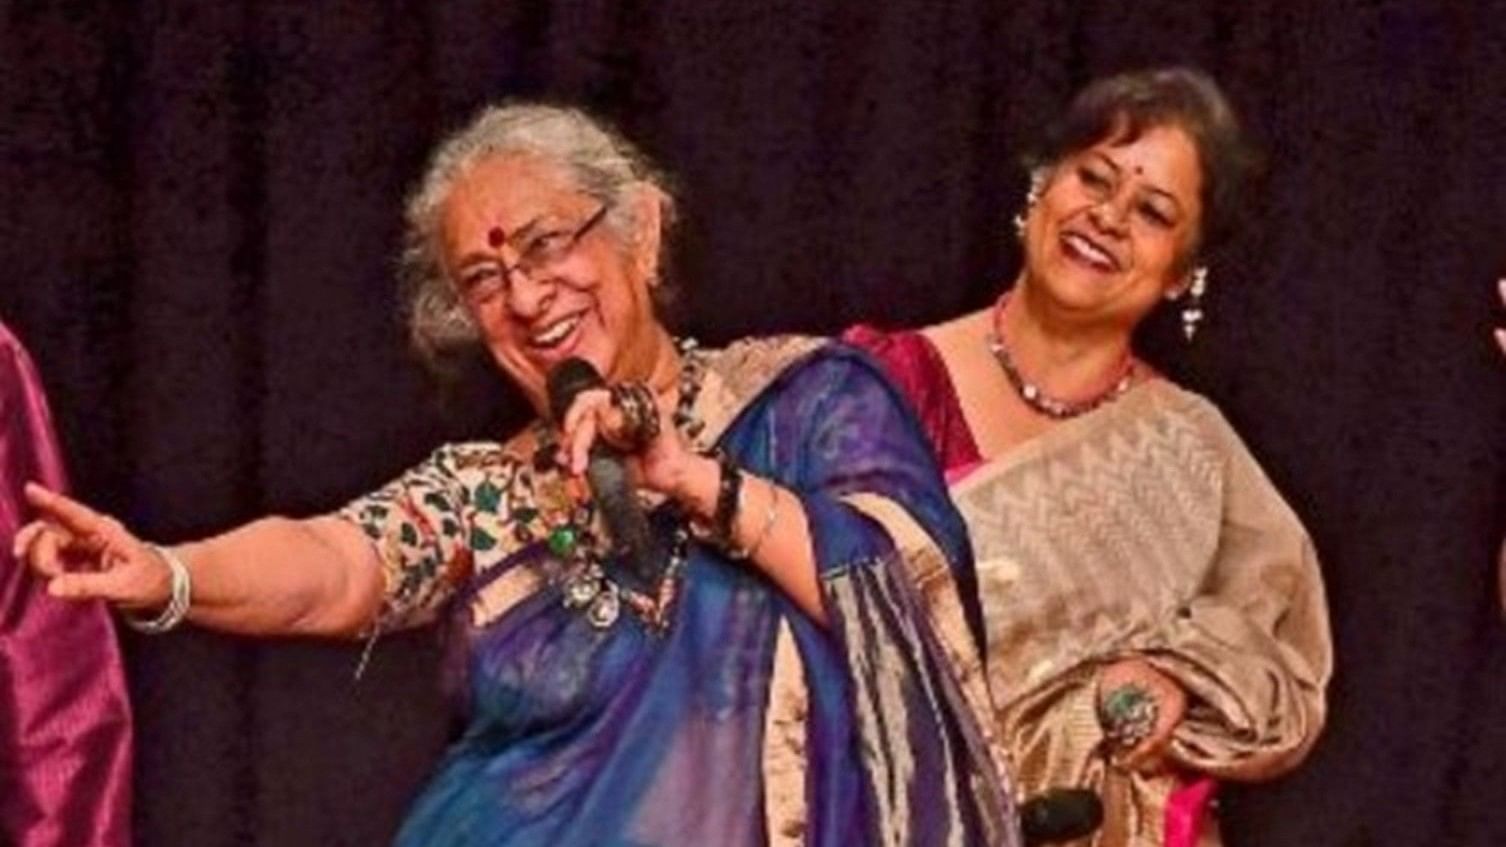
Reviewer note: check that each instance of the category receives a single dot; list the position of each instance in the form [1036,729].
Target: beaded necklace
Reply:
[585,583]
[1035,397]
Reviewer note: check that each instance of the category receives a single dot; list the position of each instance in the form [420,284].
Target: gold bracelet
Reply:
[770,515]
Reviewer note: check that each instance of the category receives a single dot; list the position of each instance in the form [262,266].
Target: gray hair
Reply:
[597,159]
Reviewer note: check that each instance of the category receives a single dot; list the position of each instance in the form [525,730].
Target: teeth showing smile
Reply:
[553,334]
[1090,252]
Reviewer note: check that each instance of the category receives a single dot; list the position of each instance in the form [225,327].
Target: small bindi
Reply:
[496,237]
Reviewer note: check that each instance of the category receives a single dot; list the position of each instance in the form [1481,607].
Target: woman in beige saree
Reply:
[1154,611]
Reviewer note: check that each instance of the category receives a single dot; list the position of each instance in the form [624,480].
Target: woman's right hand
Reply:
[1148,755]
[85,555]
[660,465]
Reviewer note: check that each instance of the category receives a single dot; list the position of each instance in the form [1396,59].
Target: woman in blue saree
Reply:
[797,665]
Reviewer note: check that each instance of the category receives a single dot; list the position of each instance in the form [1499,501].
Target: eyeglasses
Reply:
[539,254]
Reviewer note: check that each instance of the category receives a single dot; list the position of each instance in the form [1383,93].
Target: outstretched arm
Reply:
[274,576]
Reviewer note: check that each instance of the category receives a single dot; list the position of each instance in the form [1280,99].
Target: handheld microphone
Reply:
[632,537]
[1060,814]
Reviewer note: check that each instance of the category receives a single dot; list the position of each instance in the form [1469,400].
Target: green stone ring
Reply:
[1128,715]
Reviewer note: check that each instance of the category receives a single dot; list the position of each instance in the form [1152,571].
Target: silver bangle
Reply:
[769,516]
[177,603]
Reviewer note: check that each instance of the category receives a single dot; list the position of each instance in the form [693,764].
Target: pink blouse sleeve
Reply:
[913,364]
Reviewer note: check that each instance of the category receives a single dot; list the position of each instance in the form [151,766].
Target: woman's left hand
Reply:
[1149,755]
[660,464]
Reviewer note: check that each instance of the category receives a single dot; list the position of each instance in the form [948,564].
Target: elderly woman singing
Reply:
[778,655]
[1154,610]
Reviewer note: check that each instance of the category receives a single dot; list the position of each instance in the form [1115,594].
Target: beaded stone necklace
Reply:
[1035,397]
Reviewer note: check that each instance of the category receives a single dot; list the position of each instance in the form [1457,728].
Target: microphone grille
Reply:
[1061,814]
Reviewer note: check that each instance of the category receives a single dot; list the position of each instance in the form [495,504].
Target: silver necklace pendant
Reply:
[582,587]
[605,607]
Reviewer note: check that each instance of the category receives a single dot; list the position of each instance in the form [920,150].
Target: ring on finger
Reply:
[1128,715]
[640,414]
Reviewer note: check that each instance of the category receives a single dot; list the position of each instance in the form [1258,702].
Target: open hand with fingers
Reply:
[85,555]
[1139,708]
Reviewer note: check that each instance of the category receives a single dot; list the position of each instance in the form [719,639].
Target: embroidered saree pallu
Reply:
[1146,529]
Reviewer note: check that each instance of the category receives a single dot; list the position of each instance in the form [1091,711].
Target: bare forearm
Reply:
[279,576]
[774,520]
[770,523]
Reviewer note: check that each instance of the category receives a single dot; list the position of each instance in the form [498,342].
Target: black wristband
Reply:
[729,492]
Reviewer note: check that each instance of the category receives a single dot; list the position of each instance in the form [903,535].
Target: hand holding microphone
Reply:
[622,419]
[615,437]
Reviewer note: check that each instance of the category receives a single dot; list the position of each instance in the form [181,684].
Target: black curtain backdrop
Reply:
[200,211]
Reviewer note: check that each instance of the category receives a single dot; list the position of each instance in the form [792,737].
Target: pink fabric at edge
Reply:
[1186,810]
[65,719]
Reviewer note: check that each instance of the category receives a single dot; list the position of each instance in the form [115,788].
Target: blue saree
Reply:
[742,722]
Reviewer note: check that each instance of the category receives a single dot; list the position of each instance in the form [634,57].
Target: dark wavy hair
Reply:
[1119,109]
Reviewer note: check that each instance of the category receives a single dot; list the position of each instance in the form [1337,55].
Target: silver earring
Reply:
[1032,196]
[1192,305]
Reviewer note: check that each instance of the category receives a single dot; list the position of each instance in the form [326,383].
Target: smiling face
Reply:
[586,292]
[1107,238]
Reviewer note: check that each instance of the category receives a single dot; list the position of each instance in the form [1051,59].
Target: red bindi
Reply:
[496,236]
